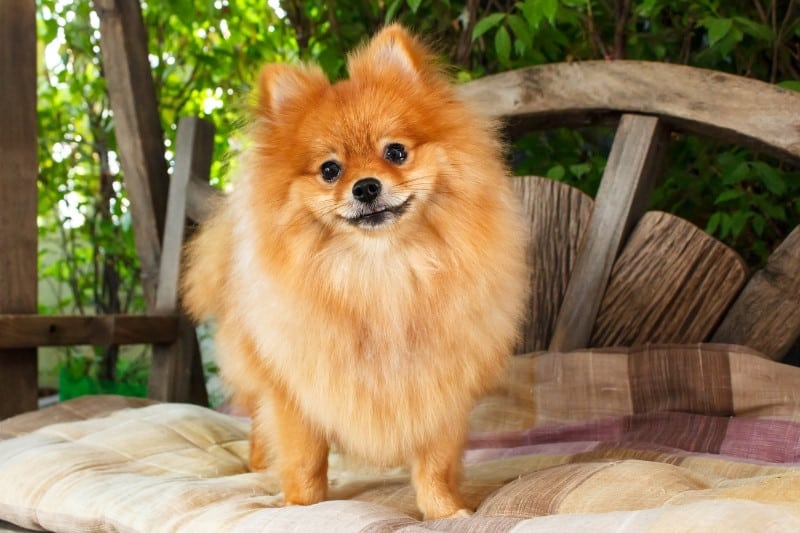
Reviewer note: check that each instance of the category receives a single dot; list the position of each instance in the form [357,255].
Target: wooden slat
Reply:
[140,139]
[20,331]
[633,165]
[193,150]
[18,233]
[671,283]
[176,373]
[766,315]
[558,217]
[752,113]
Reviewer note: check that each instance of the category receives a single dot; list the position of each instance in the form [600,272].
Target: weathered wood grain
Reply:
[633,166]
[672,282]
[705,102]
[766,315]
[558,217]
[193,149]
[140,139]
[22,331]
[174,365]
[18,232]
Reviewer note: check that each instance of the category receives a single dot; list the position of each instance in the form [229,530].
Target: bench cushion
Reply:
[660,438]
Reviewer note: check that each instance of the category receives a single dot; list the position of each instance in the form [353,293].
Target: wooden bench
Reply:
[615,277]
[604,271]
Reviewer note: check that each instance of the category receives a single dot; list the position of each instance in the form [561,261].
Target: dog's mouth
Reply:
[378,214]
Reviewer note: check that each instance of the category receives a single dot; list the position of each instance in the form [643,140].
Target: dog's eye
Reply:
[395,153]
[330,170]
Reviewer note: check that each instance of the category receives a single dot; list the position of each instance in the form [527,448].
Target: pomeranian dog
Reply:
[367,272]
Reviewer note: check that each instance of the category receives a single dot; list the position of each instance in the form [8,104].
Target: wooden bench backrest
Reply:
[648,292]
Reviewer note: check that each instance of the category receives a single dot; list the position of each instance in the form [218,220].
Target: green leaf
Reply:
[556,172]
[391,11]
[724,225]
[759,224]
[549,9]
[486,24]
[649,8]
[775,212]
[713,223]
[717,28]
[738,174]
[754,29]
[502,44]
[576,3]
[739,221]
[770,177]
[578,170]
[792,85]
[532,11]
[520,29]
[414,5]
[184,9]
[726,196]
[519,47]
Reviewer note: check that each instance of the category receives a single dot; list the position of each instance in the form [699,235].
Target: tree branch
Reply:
[623,14]
[464,47]
[776,46]
[761,14]
[594,37]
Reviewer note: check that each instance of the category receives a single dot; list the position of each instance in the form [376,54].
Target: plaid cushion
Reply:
[661,438]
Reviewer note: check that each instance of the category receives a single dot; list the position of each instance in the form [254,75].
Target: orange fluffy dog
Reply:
[367,273]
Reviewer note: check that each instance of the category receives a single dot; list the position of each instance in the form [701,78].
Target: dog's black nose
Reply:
[366,190]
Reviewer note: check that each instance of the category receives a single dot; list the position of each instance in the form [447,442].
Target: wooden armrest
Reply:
[29,331]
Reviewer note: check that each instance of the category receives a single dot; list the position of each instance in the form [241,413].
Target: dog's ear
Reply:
[394,50]
[281,86]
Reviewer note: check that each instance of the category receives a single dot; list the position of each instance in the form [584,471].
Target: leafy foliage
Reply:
[748,201]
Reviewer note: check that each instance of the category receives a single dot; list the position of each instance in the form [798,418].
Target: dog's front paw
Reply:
[461,513]
[287,502]
[307,493]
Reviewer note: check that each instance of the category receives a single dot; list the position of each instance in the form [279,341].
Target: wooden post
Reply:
[176,373]
[633,165]
[141,145]
[140,139]
[18,199]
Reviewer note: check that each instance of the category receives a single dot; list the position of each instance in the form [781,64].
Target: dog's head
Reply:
[363,154]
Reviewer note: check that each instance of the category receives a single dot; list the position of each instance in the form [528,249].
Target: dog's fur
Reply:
[377,332]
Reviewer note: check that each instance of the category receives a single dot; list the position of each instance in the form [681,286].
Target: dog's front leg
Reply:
[301,452]
[436,472]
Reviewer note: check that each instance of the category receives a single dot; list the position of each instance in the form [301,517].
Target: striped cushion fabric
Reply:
[659,438]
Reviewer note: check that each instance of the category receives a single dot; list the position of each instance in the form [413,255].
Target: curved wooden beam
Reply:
[706,102]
